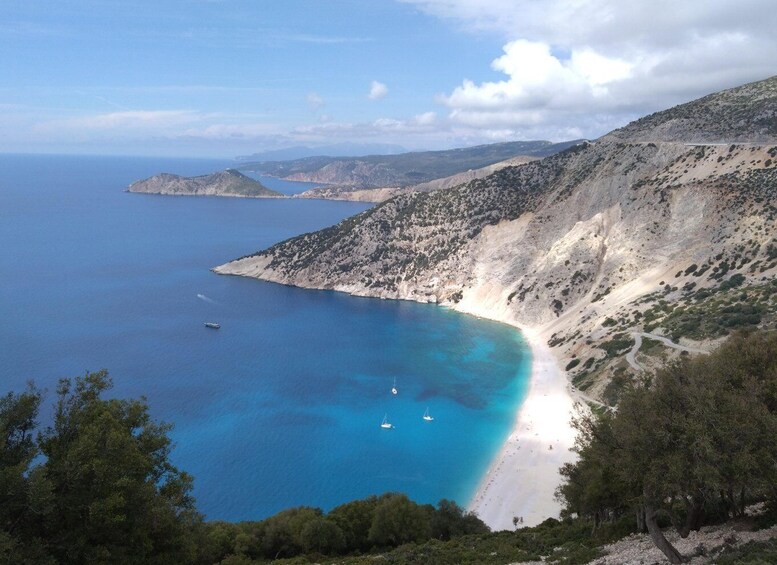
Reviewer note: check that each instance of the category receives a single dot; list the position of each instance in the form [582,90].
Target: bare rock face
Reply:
[630,233]
[223,183]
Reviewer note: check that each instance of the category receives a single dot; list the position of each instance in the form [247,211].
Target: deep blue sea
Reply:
[280,407]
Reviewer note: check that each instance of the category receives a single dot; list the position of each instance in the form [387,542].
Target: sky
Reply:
[220,78]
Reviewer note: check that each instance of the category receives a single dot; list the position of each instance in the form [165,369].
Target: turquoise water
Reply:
[282,405]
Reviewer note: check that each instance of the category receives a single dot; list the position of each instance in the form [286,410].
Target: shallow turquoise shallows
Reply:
[280,407]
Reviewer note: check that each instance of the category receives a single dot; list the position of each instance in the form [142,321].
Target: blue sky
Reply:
[228,77]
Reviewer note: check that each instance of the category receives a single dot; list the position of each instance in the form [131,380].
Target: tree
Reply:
[450,520]
[24,493]
[18,415]
[116,496]
[355,520]
[399,520]
[282,533]
[701,434]
[322,535]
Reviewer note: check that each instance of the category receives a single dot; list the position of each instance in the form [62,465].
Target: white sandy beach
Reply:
[522,479]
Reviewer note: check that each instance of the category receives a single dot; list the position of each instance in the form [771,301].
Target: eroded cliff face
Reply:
[587,246]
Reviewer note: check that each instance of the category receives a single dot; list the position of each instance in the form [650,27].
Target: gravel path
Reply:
[700,547]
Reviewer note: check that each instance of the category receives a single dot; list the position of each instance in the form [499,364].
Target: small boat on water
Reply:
[427,416]
[212,325]
[385,424]
[394,390]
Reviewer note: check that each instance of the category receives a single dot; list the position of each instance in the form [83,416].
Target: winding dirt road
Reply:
[631,355]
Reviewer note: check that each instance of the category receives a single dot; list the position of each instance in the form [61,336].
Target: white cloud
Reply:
[426,119]
[132,120]
[230,131]
[152,124]
[378,90]
[538,84]
[421,125]
[592,65]
[315,101]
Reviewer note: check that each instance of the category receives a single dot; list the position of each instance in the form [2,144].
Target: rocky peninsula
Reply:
[223,183]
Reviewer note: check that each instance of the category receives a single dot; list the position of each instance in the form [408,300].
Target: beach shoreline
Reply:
[518,488]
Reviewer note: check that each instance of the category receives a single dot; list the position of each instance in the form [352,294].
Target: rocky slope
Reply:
[746,114]
[406,169]
[223,183]
[648,229]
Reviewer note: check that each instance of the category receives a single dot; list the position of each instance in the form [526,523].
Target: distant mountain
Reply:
[664,227]
[405,169]
[333,150]
[382,194]
[223,183]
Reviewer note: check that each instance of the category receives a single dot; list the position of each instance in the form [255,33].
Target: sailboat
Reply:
[394,390]
[385,424]
[427,417]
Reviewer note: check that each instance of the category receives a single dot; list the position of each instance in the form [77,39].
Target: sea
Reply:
[282,406]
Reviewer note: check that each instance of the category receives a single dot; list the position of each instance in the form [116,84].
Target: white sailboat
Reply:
[394,390]
[427,416]
[385,424]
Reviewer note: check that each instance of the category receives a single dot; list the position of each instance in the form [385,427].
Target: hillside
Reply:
[645,231]
[382,194]
[406,169]
[223,183]
[746,114]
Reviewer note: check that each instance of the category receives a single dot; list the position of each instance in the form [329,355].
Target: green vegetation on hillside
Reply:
[695,444]
[371,525]
[745,113]
[569,542]
[246,186]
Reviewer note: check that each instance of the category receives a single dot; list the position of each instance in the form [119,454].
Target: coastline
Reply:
[522,479]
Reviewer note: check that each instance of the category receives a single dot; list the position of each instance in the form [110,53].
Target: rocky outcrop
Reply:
[223,183]
[587,246]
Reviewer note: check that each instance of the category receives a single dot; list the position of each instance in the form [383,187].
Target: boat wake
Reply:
[206,299]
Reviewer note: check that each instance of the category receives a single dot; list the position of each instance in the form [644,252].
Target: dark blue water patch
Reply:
[282,405]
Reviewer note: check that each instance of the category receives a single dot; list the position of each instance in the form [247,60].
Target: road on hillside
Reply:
[631,355]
